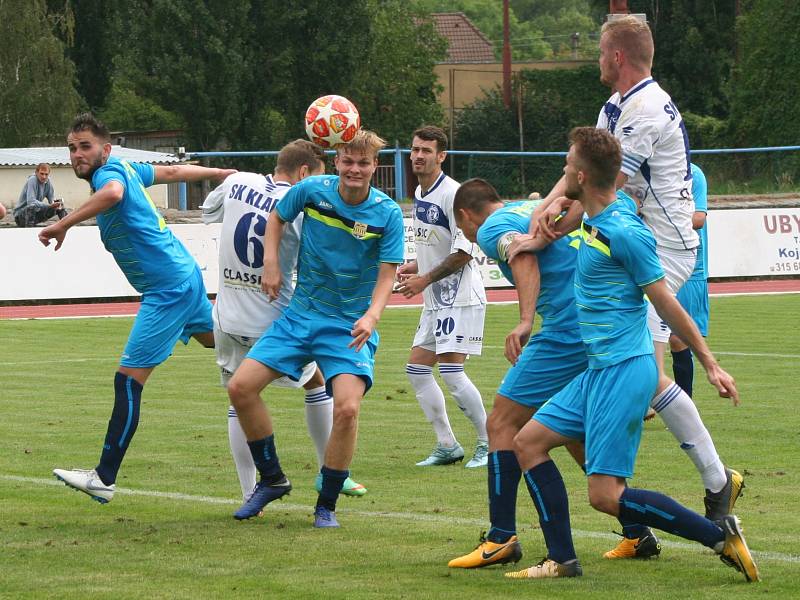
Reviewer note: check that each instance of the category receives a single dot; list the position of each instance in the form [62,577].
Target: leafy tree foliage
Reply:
[37,95]
[553,102]
[765,108]
[694,41]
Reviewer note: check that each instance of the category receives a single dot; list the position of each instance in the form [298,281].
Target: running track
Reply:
[119,309]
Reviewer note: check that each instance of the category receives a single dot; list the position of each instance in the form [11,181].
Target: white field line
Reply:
[383,352]
[406,516]
[133,314]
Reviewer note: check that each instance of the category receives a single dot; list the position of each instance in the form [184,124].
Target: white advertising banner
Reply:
[82,268]
[742,243]
[754,242]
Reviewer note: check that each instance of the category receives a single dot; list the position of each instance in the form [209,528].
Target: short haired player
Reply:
[604,406]
[243,312]
[655,171]
[451,325]
[351,244]
[174,303]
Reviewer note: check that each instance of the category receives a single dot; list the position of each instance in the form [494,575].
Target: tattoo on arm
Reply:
[449,265]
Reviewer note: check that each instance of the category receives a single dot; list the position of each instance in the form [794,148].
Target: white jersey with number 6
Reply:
[655,157]
[437,237]
[243,203]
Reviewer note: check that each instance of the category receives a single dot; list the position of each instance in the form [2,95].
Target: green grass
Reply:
[55,399]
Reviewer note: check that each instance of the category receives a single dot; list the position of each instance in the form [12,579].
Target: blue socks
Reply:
[121,426]
[503,474]
[664,513]
[550,498]
[266,459]
[683,370]
[332,483]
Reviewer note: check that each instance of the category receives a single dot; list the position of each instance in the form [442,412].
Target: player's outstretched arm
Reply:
[103,199]
[681,323]
[525,270]
[363,328]
[174,173]
[413,284]
[271,277]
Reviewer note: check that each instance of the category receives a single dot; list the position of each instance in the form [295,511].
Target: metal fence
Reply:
[766,170]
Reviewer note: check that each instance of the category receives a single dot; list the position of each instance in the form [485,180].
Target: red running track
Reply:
[114,309]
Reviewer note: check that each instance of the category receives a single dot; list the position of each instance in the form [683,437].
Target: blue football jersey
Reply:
[700,192]
[617,258]
[341,245]
[133,230]
[556,301]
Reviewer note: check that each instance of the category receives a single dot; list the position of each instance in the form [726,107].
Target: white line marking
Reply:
[764,355]
[383,351]
[406,516]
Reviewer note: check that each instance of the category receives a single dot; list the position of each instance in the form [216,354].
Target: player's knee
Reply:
[499,428]
[345,414]
[238,391]
[603,501]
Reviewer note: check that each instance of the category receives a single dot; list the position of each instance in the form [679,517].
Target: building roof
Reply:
[59,156]
[466,43]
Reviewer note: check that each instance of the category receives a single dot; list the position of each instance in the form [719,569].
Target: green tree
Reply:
[765,108]
[694,42]
[527,41]
[553,102]
[396,87]
[37,96]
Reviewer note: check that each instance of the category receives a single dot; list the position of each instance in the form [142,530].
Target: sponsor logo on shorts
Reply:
[459,338]
[475,338]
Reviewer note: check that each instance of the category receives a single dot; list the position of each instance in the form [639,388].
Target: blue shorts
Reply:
[549,362]
[292,341]
[165,317]
[605,408]
[693,297]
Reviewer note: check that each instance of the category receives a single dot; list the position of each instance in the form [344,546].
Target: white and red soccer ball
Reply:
[332,120]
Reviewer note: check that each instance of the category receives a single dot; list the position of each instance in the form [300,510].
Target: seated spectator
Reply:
[31,208]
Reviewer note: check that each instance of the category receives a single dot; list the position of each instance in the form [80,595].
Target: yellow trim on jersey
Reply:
[591,240]
[339,224]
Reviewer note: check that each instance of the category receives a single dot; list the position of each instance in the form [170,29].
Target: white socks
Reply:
[681,417]
[466,396]
[319,420]
[245,468]
[431,399]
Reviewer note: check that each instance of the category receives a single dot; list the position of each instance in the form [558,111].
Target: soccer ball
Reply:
[332,120]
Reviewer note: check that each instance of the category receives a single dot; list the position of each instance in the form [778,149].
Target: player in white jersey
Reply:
[451,325]
[242,312]
[656,171]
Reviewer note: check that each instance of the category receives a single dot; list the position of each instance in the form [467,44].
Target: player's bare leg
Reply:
[244,389]
[348,390]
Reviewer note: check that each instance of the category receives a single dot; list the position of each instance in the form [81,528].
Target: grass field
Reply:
[169,531]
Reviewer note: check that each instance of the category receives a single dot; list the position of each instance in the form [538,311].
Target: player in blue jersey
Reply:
[351,243]
[693,296]
[552,358]
[174,303]
[656,172]
[604,406]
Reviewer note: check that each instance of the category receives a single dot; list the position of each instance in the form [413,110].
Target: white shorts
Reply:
[678,266]
[456,329]
[231,350]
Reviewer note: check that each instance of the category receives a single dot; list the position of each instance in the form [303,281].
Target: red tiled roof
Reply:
[466,42]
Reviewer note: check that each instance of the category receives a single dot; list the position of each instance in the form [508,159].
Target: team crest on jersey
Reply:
[359,230]
[433,213]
